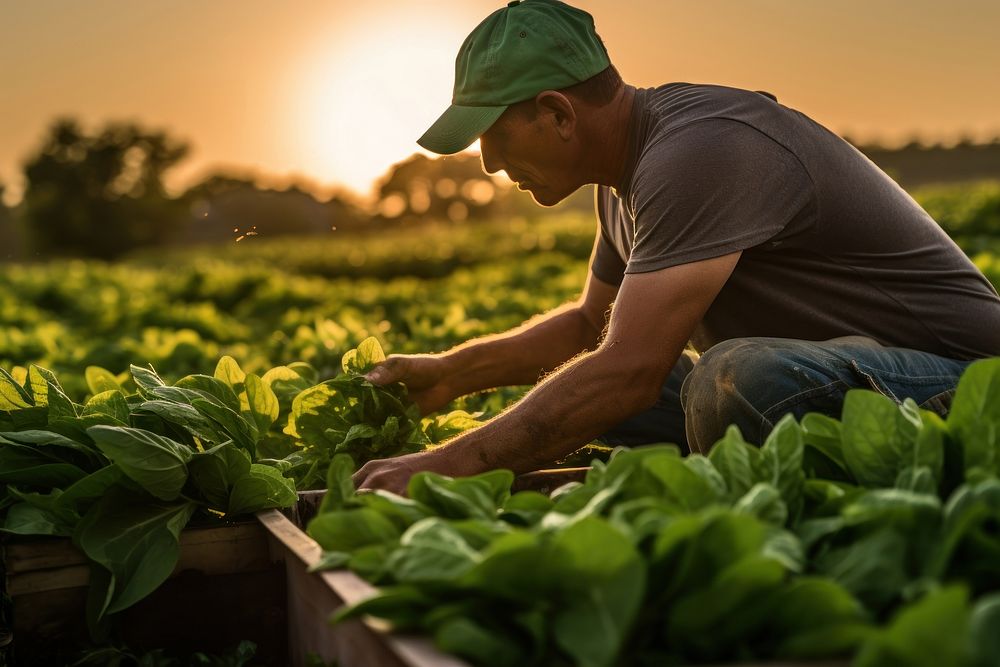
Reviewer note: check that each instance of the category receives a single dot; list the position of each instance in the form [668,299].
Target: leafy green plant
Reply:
[124,473]
[835,538]
[349,415]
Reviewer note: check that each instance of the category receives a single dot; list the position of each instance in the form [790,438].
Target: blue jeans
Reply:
[753,382]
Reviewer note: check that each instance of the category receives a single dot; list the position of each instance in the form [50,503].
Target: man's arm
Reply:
[653,318]
[518,356]
[521,355]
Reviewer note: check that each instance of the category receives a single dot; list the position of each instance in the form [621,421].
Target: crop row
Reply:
[872,537]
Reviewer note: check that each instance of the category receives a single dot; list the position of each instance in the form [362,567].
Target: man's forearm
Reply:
[568,410]
[521,355]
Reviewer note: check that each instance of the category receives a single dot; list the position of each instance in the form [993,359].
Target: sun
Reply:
[364,101]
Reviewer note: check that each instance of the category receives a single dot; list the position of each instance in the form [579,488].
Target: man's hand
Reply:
[425,376]
[394,474]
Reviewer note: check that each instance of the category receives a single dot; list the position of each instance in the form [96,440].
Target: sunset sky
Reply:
[333,92]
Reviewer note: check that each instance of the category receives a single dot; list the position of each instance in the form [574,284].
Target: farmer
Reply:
[727,222]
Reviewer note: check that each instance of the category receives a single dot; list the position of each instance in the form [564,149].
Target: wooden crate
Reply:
[225,588]
[313,597]
[243,581]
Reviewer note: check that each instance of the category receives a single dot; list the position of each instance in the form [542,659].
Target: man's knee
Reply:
[729,385]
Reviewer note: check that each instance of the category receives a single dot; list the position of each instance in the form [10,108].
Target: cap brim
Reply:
[458,127]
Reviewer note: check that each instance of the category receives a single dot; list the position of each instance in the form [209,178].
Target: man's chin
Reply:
[544,197]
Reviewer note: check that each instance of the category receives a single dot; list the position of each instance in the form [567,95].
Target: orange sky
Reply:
[334,92]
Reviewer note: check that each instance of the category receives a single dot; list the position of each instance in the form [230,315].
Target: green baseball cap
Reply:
[513,55]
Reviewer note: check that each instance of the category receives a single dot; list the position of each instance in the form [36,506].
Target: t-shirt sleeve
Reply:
[710,188]
[605,263]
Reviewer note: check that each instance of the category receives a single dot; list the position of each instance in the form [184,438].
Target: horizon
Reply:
[326,105]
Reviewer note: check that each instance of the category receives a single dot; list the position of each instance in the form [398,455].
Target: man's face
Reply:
[532,153]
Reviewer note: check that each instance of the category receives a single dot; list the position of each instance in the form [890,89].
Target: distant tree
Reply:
[8,240]
[225,207]
[453,187]
[100,195]
[456,188]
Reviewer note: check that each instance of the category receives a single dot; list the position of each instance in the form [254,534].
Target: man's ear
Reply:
[557,109]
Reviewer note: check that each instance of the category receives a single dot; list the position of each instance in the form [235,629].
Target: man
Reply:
[792,263]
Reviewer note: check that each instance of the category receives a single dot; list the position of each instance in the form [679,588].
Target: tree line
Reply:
[101,194]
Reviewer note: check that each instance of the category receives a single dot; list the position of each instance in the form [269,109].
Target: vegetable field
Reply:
[271,303]
[267,303]
[861,536]
[182,388]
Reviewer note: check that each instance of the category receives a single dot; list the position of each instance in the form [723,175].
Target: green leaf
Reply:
[928,633]
[403,512]
[27,519]
[781,460]
[873,567]
[603,578]
[362,359]
[974,419]
[824,434]
[465,637]
[330,560]
[12,395]
[526,508]
[213,390]
[57,446]
[215,471]
[708,619]
[814,618]
[881,438]
[111,403]
[442,427]
[823,455]
[984,632]
[187,417]
[339,485]
[20,464]
[263,403]
[100,380]
[134,539]
[681,484]
[431,551]
[351,529]
[145,379]
[79,496]
[784,547]
[918,479]
[286,385]
[243,433]
[313,413]
[356,432]
[305,371]
[968,546]
[48,391]
[262,488]
[36,386]
[403,606]
[228,371]
[479,497]
[156,463]
[764,502]
[702,466]
[732,457]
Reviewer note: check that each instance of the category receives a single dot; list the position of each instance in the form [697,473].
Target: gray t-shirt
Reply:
[831,245]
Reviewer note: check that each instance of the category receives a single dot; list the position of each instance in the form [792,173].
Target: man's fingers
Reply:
[387,372]
[360,476]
